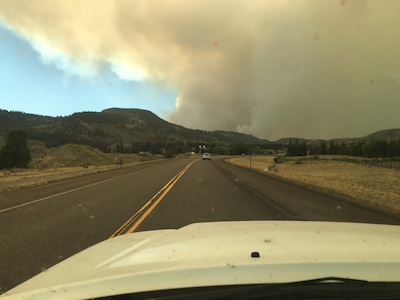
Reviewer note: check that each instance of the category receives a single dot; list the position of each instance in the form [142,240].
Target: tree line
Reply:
[15,152]
[372,149]
[190,146]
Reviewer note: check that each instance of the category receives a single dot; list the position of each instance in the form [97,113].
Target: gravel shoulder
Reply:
[376,186]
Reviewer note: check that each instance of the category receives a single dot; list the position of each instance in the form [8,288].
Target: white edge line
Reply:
[59,194]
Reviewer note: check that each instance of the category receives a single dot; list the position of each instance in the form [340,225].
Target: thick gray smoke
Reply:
[314,69]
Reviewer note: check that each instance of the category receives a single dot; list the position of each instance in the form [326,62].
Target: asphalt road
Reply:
[41,226]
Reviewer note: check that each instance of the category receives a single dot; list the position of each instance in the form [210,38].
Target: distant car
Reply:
[207,156]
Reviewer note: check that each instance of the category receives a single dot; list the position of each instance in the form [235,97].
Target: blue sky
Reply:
[29,85]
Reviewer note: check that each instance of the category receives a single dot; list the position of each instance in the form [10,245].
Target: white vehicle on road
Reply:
[252,259]
[207,156]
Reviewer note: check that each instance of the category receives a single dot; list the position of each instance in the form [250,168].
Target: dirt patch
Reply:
[72,155]
[373,185]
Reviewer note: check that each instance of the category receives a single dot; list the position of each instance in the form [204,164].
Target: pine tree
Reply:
[323,148]
[15,153]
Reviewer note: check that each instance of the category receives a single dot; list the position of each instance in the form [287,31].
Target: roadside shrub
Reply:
[299,162]
[169,154]
[15,153]
[278,160]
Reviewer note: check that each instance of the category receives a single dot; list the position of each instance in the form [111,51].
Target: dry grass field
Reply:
[373,185]
[57,170]
[18,179]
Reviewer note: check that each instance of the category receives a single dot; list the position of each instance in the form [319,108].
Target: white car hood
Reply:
[211,254]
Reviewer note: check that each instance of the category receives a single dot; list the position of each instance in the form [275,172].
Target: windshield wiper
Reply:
[331,280]
[320,288]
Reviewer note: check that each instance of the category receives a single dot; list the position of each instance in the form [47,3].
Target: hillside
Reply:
[133,129]
[386,135]
[285,141]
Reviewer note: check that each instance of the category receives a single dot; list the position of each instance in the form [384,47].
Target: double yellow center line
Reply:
[133,223]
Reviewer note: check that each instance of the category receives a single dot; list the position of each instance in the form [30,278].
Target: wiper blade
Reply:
[326,288]
[320,288]
[327,280]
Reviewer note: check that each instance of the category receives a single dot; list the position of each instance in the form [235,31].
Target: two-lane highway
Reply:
[44,225]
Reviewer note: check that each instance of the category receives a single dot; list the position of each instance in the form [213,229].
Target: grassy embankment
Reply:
[67,162]
[362,181]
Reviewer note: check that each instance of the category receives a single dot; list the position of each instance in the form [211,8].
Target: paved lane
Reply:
[75,214]
[302,203]
[218,191]
[207,194]
[37,236]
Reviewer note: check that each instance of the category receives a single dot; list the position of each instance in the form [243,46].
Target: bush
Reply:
[15,153]
[169,154]
[278,160]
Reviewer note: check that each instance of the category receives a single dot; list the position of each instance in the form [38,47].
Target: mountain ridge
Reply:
[130,126]
[114,126]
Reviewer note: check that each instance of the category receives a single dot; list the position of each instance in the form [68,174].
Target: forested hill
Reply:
[111,128]
[134,130]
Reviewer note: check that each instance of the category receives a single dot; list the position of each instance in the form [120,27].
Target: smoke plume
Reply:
[313,69]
